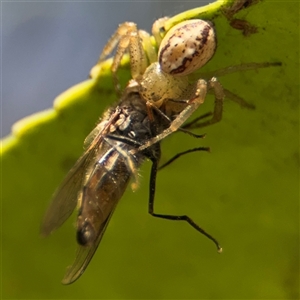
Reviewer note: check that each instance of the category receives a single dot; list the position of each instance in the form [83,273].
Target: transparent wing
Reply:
[85,254]
[65,198]
[101,193]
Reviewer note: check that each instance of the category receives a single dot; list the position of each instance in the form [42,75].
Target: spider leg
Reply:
[148,47]
[158,29]
[151,106]
[218,107]
[238,68]
[239,100]
[192,106]
[127,38]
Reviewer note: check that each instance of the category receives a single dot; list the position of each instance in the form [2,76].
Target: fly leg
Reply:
[172,159]
[154,170]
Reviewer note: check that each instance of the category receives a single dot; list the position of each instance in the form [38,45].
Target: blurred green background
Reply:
[245,192]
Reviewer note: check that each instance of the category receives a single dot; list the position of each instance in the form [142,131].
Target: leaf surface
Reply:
[245,192]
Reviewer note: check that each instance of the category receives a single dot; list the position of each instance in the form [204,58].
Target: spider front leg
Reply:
[192,106]
[218,107]
[128,38]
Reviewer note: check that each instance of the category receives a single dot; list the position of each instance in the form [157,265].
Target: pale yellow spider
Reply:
[162,78]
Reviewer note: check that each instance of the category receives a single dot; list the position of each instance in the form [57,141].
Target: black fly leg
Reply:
[193,124]
[153,174]
[181,154]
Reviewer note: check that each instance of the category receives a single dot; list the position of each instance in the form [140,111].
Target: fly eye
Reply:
[85,234]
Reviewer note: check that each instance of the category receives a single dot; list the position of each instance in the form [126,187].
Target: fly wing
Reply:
[101,193]
[85,254]
[65,198]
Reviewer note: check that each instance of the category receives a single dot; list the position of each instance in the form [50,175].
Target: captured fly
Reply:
[100,176]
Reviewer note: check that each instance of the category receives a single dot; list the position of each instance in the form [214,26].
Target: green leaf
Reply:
[245,192]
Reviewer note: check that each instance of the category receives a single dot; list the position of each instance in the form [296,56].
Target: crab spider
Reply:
[163,78]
